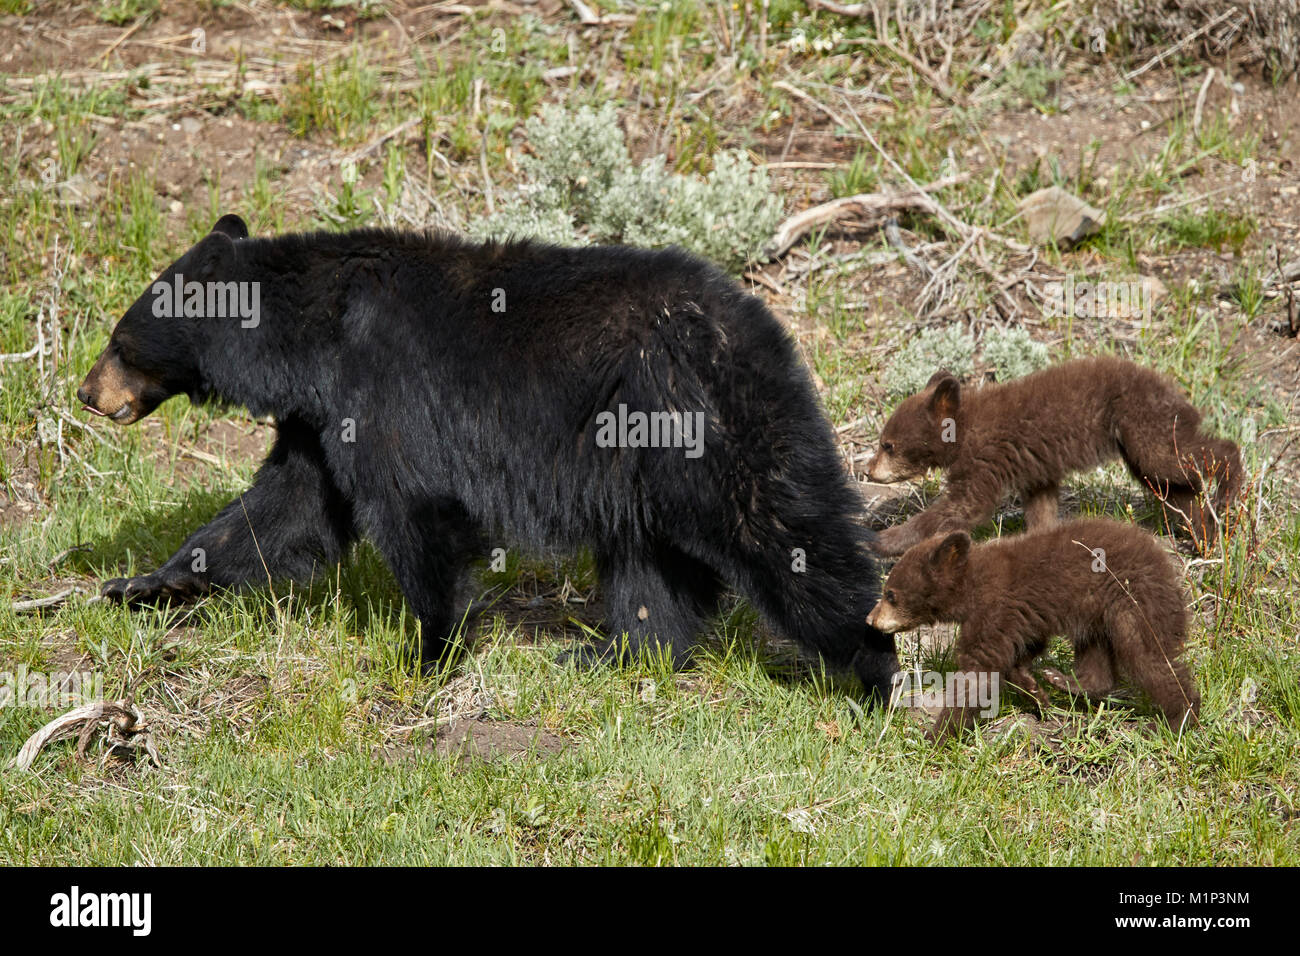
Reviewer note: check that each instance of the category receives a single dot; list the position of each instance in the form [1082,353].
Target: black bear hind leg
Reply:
[428,549]
[656,603]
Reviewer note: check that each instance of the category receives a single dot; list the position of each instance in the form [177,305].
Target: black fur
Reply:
[474,426]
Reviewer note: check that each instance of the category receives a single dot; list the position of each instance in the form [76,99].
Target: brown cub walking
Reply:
[1025,436]
[1107,586]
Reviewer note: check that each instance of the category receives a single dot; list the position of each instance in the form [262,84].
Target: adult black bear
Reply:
[434,395]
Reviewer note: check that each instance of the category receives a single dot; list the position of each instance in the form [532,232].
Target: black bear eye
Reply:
[887,447]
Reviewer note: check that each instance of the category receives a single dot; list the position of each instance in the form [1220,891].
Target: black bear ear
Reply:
[952,551]
[213,257]
[946,396]
[232,226]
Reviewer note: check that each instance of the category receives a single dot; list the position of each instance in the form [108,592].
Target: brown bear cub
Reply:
[1107,586]
[1025,436]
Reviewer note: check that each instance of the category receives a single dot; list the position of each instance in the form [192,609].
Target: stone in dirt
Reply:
[1053,215]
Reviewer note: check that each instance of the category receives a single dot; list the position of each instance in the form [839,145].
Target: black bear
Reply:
[434,395]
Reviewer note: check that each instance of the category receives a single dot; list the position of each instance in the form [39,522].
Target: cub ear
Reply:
[232,226]
[939,376]
[946,397]
[952,551]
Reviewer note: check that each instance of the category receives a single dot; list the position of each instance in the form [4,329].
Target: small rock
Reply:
[1054,215]
[1153,290]
[79,191]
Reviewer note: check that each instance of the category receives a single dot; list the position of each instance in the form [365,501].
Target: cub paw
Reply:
[891,542]
[940,732]
[1060,681]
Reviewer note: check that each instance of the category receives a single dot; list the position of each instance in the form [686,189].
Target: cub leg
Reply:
[1152,661]
[1042,506]
[947,513]
[1022,679]
[1177,462]
[1094,673]
[984,651]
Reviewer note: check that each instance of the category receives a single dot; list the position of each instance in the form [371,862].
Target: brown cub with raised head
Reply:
[1107,586]
[1025,436]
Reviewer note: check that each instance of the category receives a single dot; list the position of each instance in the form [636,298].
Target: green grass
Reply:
[1212,228]
[291,726]
[122,12]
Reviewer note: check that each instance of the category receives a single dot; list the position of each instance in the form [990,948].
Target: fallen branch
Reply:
[123,725]
[810,100]
[962,229]
[895,239]
[59,558]
[843,9]
[864,206]
[122,39]
[586,15]
[378,141]
[1285,272]
[1160,57]
[937,83]
[21,356]
[45,603]
[1200,101]
[589,18]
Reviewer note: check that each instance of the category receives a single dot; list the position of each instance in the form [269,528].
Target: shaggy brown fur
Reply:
[1025,436]
[1109,587]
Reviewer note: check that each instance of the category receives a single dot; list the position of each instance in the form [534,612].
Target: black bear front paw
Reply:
[160,587]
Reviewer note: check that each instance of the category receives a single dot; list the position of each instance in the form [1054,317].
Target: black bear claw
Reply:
[148,589]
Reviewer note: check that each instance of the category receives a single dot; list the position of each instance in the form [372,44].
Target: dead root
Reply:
[124,734]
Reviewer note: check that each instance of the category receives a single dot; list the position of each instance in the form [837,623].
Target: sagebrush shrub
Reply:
[1013,353]
[582,186]
[950,347]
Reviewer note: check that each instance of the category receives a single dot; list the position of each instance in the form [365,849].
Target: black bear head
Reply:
[153,352]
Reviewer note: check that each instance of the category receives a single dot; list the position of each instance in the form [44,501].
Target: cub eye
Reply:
[889,596]
[887,447]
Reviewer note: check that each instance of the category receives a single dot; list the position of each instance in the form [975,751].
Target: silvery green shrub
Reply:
[1013,353]
[575,154]
[950,347]
[581,183]
[637,199]
[532,213]
[725,217]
